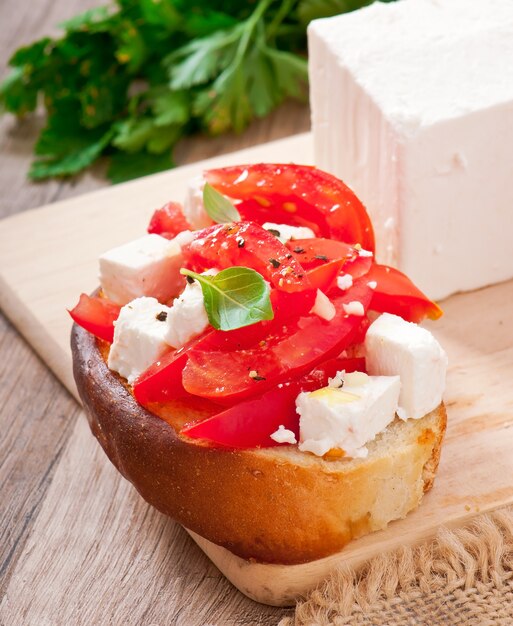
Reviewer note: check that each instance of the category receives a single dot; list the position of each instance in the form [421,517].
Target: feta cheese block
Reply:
[412,106]
[285,233]
[139,337]
[148,266]
[348,417]
[395,347]
[187,316]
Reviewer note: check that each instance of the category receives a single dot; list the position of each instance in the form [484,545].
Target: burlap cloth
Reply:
[465,577]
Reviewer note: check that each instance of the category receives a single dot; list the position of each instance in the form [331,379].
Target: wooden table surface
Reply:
[36,412]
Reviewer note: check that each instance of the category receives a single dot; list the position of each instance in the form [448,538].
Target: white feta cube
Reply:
[412,106]
[286,233]
[396,347]
[139,337]
[193,207]
[148,266]
[187,316]
[349,417]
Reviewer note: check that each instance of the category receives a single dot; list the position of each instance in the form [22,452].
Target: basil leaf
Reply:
[218,207]
[236,297]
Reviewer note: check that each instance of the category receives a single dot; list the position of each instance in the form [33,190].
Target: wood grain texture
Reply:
[37,415]
[476,467]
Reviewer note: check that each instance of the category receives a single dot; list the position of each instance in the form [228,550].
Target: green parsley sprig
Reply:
[128,80]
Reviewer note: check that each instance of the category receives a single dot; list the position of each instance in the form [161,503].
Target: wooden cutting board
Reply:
[91,525]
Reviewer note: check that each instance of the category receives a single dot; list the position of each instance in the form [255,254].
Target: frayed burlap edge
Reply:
[463,577]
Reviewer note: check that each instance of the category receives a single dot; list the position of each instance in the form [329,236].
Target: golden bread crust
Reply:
[274,505]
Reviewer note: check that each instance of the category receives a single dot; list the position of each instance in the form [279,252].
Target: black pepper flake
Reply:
[240,242]
[321,257]
[273,231]
[288,256]
[258,378]
[189,279]
[274,263]
[299,250]
[162,316]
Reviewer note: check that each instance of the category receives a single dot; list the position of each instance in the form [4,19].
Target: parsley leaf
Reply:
[64,147]
[235,297]
[125,166]
[131,78]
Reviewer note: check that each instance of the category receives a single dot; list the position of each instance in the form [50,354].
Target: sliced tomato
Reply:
[324,276]
[97,315]
[321,256]
[291,350]
[395,293]
[169,221]
[246,244]
[250,423]
[357,266]
[318,251]
[298,195]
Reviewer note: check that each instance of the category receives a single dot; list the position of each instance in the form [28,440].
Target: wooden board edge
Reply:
[284,585]
[12,222]
[37,336]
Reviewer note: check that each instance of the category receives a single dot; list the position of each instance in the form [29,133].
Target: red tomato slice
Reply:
[248,245]
[249,424]
[169,221]
[395,293]
[321,256]
[296,194]
[324,276]
[316,252]
[358,266]
[97,315]
[294,349]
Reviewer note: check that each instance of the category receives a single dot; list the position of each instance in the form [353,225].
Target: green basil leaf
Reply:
[218,207]
[236,297]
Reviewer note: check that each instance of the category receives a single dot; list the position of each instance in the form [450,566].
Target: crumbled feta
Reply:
[337,382]
[187,316]
[283,435]
[139,337]
[364,253]
[323,306]
[396,347]
[354,308]
[148,266]
[344,282]
[349,417]
[288,233]
[372,284]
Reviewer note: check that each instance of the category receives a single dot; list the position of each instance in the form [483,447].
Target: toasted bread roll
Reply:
[275,505]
